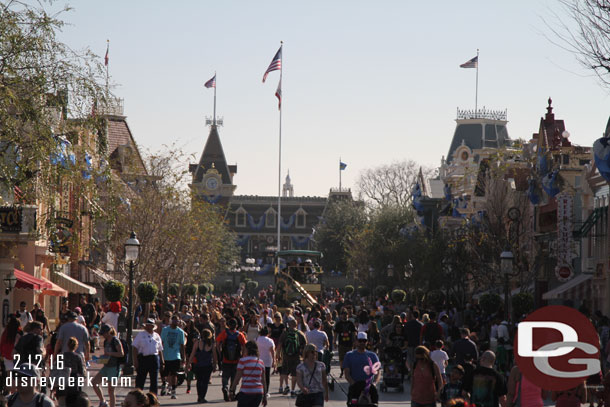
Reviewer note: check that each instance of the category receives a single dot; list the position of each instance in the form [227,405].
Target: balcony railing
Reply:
[481,114]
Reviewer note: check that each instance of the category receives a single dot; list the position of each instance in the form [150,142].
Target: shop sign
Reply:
[10,219]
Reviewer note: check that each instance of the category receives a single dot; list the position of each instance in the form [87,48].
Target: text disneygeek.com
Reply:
[62,383]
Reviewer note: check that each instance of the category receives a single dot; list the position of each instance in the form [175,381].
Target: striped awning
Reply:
[577,288]
[73,285]
[54,290]
[28,281]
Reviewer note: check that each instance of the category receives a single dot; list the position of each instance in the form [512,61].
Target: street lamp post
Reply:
[132,249]
[506,265]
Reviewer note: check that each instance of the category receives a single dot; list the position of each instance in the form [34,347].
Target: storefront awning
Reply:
[564,289]
[73,285]
[54,290]
[29,282]
[100,276]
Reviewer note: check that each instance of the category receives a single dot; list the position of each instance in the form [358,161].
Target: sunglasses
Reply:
[361,340]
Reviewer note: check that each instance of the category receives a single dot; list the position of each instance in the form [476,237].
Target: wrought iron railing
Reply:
[481,114]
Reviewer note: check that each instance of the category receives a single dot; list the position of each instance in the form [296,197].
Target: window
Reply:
[270,218]
[240,217]
[301,220]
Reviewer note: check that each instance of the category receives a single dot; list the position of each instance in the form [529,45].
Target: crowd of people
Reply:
[451,356]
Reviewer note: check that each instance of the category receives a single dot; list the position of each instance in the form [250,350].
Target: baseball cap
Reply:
[104,329]
[27,369]
[71,315]
[362,335]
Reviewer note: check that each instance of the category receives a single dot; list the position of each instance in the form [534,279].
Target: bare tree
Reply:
[587,35]
[390,184]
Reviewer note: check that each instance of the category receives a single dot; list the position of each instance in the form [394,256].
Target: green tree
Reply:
[342,221]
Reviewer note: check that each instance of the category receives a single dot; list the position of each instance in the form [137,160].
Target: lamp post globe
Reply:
[132,251]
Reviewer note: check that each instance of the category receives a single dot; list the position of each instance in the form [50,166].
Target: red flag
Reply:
[278,94]
[106,57]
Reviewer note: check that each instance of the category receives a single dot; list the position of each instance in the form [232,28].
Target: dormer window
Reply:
[270,218]
[240,217]
[301,220]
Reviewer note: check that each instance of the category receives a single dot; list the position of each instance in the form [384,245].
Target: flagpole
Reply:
[107,63]
[215,85]
[339,174]
[476,94]
[279,171]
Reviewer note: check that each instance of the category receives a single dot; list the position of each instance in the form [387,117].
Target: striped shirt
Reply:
[252,370]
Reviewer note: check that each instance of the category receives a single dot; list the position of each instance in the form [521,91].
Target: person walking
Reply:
[426,380]
[522,392]
[232,344]
[311,379]
[291,345]
[345,332]
[250,371]
[113,350]
[75,362]
[319,338]
[70,329]
[203,360]
[26,394]
[174,340]
[486,386]
[464,346]
[148,355]
[266,350]
[10,337]
[354,370]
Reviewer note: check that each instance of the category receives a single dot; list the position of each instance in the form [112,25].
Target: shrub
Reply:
[114,290]
[349,290]
[189,289]
[364,291]
[490,303]
[523,303]
[398,295]
[381,291]
[251,285]
[173,289]
[147,291]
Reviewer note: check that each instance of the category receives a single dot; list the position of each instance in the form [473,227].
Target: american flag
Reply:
[473,63]
[211,83]
[275,64]
[106,57]
[18,194]
[278,94]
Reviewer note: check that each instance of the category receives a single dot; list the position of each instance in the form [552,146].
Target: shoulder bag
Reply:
[306,400]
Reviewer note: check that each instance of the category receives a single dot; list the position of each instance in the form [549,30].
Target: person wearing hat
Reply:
[71,329]
[113,349]
[148,355]
[27,381]
[353,369]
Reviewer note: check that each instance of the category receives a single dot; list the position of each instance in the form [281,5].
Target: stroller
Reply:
[327,358]
[393,368]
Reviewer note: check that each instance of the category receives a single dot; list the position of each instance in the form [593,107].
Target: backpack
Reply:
[123,359]
[231,349]
[432,332]
[38,399]
[291,343]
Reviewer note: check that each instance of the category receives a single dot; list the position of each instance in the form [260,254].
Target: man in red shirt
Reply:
[232,344]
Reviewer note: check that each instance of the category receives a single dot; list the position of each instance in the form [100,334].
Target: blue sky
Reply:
[370,81]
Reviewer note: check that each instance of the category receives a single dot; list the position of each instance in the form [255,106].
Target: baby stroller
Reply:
[393,368]
[326,359]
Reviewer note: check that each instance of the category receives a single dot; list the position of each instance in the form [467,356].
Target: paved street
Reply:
[337,398]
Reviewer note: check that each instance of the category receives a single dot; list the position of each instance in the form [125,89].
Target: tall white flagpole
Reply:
[279,170]
[215,85]
[476,94]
